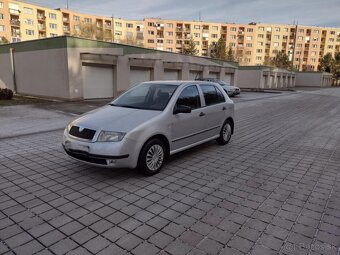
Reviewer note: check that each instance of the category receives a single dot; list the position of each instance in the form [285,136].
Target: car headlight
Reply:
[110,136]
[67,129]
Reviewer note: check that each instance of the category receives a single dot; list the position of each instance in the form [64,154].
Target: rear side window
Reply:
[189,97]
[212,95]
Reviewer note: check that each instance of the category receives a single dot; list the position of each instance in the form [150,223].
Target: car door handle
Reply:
[202,114]
[224,108]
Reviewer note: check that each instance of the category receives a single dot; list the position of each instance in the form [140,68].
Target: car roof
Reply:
[178,82]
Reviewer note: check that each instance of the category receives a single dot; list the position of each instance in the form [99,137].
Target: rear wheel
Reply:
[225,133]
[152,157]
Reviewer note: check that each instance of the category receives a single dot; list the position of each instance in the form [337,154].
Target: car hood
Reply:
[113,118]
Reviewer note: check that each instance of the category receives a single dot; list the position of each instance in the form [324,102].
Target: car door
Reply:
[214,109]
[186,128]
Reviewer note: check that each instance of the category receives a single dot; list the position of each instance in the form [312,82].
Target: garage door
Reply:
[194,75]
[213,75]
[138,75]
[170,75]
[227,78]
[97,82]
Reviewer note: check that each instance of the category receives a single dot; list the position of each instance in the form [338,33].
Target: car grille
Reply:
[84,133]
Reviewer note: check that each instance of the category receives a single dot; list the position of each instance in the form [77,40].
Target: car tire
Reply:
[152,157]
[225,133]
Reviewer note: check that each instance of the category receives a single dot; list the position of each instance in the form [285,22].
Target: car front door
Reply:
[214,110]
[187,128]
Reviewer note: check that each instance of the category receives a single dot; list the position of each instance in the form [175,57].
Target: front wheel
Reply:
[152,157]
[225,133]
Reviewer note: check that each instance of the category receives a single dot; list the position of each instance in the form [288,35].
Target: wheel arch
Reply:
[230,119]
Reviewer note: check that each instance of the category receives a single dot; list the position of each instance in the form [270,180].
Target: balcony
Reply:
[41,28]
[41,17]
[14,12]
[66,20]
[15,23]
[16,35]
[108,26]
[179,29]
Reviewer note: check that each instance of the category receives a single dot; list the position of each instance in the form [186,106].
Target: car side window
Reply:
[189,97]
[212,95]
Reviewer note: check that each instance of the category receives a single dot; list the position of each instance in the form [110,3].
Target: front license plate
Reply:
[75,146]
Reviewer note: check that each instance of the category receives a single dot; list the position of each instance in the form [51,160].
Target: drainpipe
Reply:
[11,51]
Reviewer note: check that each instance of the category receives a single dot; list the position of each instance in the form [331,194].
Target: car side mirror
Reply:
[182,109]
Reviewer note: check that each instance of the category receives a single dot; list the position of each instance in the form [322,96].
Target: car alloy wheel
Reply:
[152,157]
[225,133]
[155,157]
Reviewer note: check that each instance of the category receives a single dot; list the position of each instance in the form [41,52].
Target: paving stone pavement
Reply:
[274,189]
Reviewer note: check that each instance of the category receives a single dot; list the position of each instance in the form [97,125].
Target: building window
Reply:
[150,24]
[301,30]
[249,45]
[1,16]
[76,28]
[214,28]
[276,44]
[197,27]
[258,58]
[53,26]
[118,24]
[1,5]
[170,33]
[129,25]
[315,46]
[316,31]
[300,38]
[88,20]
[250,30]
[28,10]
[169,49]
[249,38]
[285,29]
[315,39]
[76,18]
[2,28]
[299,45]
[233,29]
[276,37]
[261,28]
[259,43]
[197,35]
[169,41]
[169,25]
[52,16]
[260,35]
[214,36]
[29,32]
[269,29]
[232,36]
[332,32]
[151,32]
[197,43]
[29,22]
[277,29]
[232,44]
[331,39]
[330,46]
[151,41]
[259,51]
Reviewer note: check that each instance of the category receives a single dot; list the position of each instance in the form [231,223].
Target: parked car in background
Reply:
[231,90]
[150,122]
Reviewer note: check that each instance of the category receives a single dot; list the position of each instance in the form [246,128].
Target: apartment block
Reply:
[252,44]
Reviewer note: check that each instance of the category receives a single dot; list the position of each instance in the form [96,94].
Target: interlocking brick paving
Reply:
[273,189]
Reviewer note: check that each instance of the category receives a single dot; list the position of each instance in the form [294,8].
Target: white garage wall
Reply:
[97,82]
[138,75]
[170,75]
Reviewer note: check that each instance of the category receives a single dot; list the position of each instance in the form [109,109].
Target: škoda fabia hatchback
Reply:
[150,122]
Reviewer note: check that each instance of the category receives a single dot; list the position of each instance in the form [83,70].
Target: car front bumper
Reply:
[104,154]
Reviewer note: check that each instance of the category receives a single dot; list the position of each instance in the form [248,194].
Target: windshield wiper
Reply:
[126,106]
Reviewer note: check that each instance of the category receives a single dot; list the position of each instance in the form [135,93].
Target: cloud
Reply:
[307,12]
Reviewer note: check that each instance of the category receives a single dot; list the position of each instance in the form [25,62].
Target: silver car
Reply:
[229,89]
[150,122]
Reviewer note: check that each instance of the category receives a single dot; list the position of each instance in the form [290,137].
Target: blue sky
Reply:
[306,12]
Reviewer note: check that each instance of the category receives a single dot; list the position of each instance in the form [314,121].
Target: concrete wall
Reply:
[249,79]
[6,77]
[313,79]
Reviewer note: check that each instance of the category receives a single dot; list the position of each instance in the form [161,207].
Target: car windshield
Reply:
[147,97]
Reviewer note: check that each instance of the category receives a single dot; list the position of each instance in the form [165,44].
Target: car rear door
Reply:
[214,109]
[186,128]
